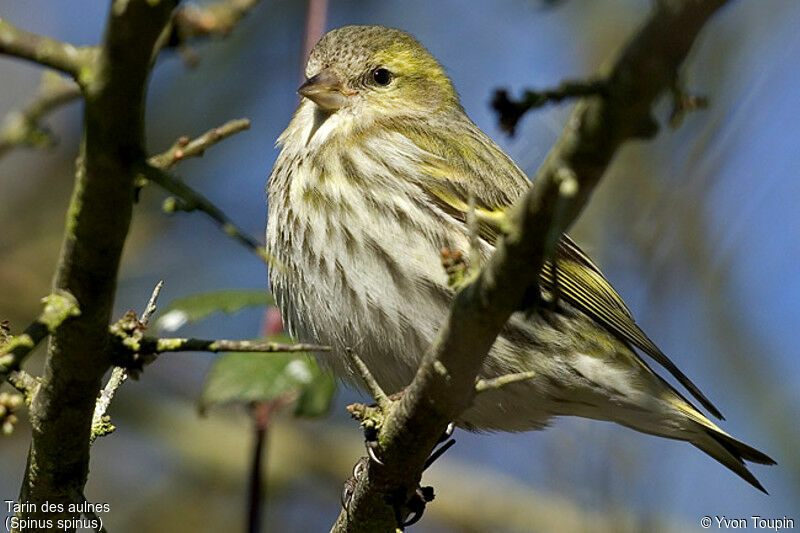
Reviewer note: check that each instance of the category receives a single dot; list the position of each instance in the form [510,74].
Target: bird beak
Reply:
[325,90]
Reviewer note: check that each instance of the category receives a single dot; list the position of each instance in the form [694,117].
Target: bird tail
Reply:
[730,452]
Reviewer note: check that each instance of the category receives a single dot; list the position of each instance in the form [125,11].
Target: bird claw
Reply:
[372,445]
[448,432]
[350,485]
[446,442]
[416,506]
[348,489]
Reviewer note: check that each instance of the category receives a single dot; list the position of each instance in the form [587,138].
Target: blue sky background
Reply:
[699,230]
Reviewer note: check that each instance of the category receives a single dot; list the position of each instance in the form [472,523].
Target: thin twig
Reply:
[151,304]
[22,127]
[185,148]
[438,452]
[190,200]
[484,385]
[186,198]
[511,111]
[372,384]
[257,488]
[101,424]
[43,50]
[133,350]
[150,345]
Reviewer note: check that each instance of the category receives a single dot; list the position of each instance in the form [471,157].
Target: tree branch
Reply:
[43,50]
[98,218]
[24,383]
[484,385]
[191,200]
[445,382]
[101,423]
[191,21]
[158,345]
[58,307]
[185,147]
[372,384]
[511,111]
[163,345]
[22,128]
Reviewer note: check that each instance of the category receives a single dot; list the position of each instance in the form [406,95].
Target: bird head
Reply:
[375,70]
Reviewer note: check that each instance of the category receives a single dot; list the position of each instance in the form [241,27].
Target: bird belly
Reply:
[357,267]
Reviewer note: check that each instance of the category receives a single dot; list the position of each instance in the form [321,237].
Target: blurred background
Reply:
[699,230]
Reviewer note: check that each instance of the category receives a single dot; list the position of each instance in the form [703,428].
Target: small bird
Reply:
[376,175]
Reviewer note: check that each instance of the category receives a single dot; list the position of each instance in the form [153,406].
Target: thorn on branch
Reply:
[511,111]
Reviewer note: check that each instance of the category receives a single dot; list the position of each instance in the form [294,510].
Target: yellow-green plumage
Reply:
[374,177]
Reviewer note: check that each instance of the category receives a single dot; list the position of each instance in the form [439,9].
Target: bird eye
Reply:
[381,76]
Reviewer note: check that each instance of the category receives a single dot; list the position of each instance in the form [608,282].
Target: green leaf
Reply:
[316,397]
[244,378]
[199,306]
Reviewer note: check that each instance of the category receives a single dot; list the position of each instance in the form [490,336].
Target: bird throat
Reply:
[319,118]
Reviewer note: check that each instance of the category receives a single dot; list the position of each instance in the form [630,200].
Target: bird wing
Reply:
[569,273]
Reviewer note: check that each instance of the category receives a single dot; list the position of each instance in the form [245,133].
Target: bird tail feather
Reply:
[732,453]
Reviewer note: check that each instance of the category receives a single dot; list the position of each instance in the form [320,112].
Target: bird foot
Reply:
[350,485]
[445,442]
[415,507]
